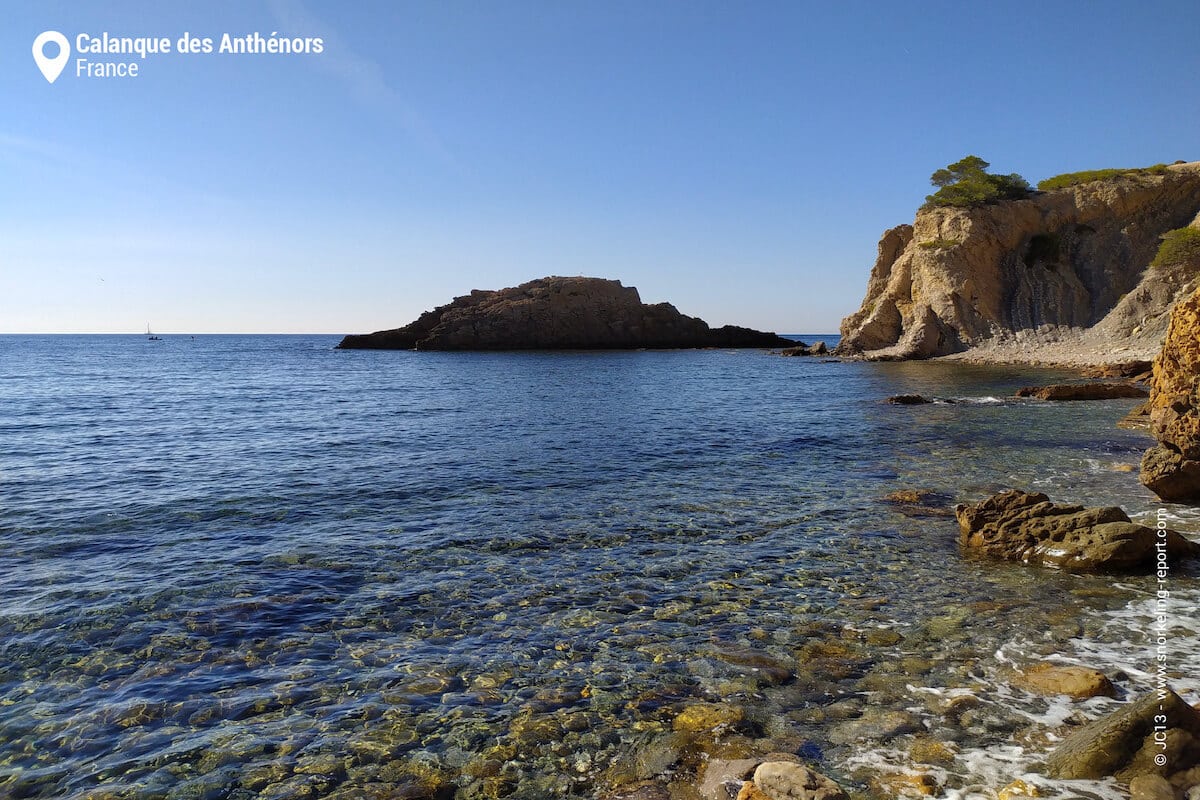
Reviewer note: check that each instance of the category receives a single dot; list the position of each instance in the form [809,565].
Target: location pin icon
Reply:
[51,67]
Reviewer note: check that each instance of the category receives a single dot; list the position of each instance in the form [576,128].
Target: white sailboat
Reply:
[150,336]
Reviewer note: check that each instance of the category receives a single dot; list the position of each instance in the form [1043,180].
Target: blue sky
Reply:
[739,160]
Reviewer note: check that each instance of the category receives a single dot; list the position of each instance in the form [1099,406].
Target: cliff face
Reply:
[1070,258]
[1171,469]
[558,314]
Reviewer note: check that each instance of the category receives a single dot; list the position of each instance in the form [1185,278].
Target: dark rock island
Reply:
[558,313]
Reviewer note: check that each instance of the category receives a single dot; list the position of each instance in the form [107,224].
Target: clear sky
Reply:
[738,159]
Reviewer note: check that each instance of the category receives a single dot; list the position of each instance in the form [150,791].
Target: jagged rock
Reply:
[1068,259]
[1110,744]
[1171,469]
[1019,526]
[1083,391]
[920,503]
[558,313]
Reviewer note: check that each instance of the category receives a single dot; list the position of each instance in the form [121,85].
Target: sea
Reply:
[247,567]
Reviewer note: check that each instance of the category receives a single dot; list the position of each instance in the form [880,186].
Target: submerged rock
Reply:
[875,725]
[644,790]
[775,776]
[784,780]
[1019,526]
[1047,678]
[558,313]
[1138,419]
[707,718]
[723,778]
[1171,469]
[920,502]
[1083,391]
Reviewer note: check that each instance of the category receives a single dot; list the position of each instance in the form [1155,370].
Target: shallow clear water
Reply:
[258,567]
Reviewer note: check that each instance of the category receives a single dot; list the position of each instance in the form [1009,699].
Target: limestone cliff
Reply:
[558,313]
[1171,469]
[1069,259]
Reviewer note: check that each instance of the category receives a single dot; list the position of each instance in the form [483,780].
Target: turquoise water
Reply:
[245,567]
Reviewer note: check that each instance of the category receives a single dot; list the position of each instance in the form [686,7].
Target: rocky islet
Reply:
[559,313]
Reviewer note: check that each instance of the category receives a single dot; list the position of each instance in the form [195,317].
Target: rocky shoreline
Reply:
[1149,743]
[1147,747]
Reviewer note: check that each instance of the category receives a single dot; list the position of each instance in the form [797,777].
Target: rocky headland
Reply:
[559,313]
[1171,468]
[1061,276]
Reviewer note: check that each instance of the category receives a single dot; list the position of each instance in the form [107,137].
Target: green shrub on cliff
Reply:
[1087,176]
[968,183]
[1180,246]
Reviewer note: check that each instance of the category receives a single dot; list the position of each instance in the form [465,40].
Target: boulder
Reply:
[1083,391]
[1047,678]
[1171,476]
[1112,743]
[1171,469]
[1019,526]
[558,313]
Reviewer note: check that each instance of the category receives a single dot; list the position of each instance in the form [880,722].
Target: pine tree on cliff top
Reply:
[968,183]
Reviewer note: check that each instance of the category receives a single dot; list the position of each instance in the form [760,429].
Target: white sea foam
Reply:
[1121,647]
